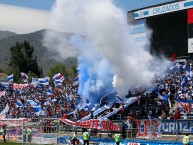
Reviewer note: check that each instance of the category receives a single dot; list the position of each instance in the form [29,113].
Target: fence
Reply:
[51,131]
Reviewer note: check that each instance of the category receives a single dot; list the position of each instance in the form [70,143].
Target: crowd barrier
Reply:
[145,128]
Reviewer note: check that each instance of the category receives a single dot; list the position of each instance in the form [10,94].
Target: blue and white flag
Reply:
[173,65]
[43,81]
[10,78]
[163,98]
[34,81]
[5,110]
[119,99]
[18,103]
[184,82]
[39,111]
[49,92]
[48,102]
[159,96]
[76,79]
[24,77]
[37,108]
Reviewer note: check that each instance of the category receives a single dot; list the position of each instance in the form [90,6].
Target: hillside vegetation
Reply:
[46,59]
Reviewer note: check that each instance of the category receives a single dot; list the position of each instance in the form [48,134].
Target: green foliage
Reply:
[22,60]
[74,71]
[1,70]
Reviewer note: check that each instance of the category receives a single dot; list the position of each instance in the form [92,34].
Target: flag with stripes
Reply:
[10,78]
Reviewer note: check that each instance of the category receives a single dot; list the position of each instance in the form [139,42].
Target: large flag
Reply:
[24,77]
[37,108]
[10,78]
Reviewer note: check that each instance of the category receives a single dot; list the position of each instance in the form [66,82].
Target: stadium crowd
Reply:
[157,102]
[61,99]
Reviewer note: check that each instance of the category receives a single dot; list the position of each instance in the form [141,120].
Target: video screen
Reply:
[169,34]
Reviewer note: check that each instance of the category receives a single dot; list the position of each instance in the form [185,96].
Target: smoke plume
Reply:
[107,56]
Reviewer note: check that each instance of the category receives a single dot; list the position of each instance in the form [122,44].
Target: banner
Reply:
[148,128]
[155,128]
[162,9]
[185,104]
[19,86]
[181,126]
[121,143]
[94,124]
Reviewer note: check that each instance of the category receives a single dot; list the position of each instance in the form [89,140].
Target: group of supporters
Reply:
[56,100]
[170,98]
[41,101]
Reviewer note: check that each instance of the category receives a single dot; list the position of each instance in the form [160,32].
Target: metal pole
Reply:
[22,131]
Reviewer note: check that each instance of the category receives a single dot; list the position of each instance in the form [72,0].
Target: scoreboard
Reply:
[170,26]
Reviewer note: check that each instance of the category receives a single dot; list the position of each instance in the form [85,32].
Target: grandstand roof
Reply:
[174,1]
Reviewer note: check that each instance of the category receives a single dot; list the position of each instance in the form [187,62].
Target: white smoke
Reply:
[106,28]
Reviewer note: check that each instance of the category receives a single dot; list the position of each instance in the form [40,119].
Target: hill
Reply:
[45,58]
[5,34]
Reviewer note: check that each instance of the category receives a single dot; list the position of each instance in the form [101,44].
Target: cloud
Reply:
[22,20]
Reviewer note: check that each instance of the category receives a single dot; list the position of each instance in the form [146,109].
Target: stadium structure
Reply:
[171,26]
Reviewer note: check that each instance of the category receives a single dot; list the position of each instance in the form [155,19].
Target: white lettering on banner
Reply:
[165,127]
[95,124]
[171,126]
[185,126]
[163,9]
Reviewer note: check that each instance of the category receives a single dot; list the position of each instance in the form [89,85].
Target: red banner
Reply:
[190,16]
[147,128]
[94,124]
[19,86]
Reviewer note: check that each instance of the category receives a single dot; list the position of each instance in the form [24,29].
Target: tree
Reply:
[74,71]
[22,59]
[1,70]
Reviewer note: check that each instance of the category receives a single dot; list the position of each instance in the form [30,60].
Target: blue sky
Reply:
[47,4]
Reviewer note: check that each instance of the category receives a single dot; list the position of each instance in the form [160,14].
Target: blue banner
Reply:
[181,126]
